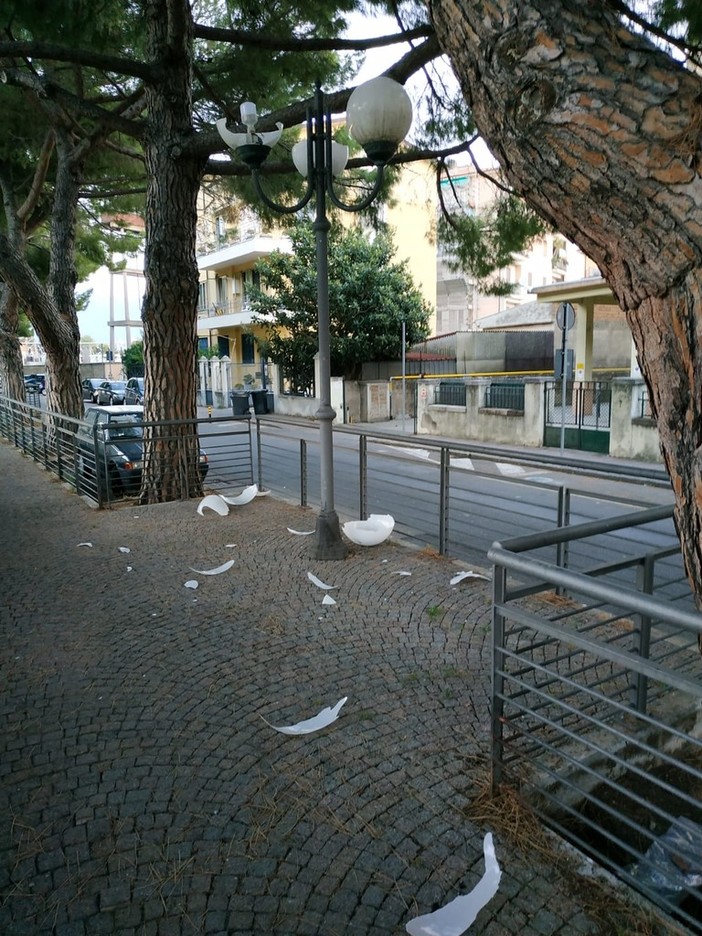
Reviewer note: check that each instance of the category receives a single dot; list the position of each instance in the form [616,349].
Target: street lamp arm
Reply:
[274,206]
[362,203]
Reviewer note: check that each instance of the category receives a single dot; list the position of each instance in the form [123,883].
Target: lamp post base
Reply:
[328,543]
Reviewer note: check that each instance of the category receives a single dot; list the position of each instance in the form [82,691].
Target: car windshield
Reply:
[118,384]
[124,428]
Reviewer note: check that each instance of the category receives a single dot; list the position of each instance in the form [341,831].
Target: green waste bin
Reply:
[240,403]
[259,398]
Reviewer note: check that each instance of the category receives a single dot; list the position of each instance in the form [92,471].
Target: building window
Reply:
[248,355]
[221,290]
[202,296]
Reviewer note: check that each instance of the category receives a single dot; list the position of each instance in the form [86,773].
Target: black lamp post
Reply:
[378,117]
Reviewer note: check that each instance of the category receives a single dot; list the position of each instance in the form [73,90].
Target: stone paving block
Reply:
[149,798]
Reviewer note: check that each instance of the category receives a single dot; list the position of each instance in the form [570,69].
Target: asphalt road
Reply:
[486,499]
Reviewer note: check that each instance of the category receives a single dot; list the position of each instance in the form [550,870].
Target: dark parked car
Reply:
[89,388]
[110,392]
[134,392]
[111,448]
[35,383]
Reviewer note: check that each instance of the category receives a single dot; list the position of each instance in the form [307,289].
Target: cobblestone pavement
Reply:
[142,791]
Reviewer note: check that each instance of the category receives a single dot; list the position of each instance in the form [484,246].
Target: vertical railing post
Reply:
[259,452]
[362,477]
[303,473]
[499,592]
[444,501]
[563,520]
[641,634]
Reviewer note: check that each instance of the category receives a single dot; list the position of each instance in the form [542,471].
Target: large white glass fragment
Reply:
[324,718]
[300,532]
[319,583]
[369,532]
[459,576]
[245,497]
[222,568]
[213,502]
[455,918]
[86,544]
[328,600]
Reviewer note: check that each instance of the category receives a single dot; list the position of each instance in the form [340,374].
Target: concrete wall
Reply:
[631,435]
[296,406]
[481,424]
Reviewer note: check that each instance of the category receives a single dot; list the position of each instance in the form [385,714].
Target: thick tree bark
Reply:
[170,301]
[11,368]
[600,132]
[63,353]
[56,332]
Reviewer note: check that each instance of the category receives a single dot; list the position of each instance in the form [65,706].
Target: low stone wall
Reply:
[479,423]
[631,435]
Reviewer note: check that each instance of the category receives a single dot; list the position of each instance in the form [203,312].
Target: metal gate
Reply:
[583,419]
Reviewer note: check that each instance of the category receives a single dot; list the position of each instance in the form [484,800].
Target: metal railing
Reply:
[644,407]
[587,403]
[505,395]
[597,707]
[450,393]
[76,453]
[452,498]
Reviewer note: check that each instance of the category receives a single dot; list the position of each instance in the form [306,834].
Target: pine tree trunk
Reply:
[600,131]
[62,343]
[11,367]
[170,300]
[57,333]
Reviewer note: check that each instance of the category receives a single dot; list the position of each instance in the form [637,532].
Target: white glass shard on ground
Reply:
[459,576]
[191,583]
[300,532]
[328,600]
[246,496]
[324,718]
[455,918]
[319,583]
[217,571]
[213,502]
[370,532]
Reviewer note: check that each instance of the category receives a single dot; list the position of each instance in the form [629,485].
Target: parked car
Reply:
[110,445]
[110,392]
[35,383]
[89,387]
[134,392]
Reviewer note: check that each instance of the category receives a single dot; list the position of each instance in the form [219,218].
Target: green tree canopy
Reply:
[370,295]
[133,358]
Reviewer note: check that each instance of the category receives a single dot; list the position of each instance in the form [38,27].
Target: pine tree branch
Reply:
[289,44]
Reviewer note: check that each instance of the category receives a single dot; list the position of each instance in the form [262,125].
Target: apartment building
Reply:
[460,306]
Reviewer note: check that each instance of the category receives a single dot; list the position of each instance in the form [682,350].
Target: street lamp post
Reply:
[378,117]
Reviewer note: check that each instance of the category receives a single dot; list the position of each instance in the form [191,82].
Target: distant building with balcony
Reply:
[460,306]
[225,325]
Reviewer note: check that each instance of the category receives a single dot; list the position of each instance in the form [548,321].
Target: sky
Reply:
[123,292]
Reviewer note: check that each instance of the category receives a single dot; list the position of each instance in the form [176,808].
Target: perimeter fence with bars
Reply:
[89,457]
[597,707]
